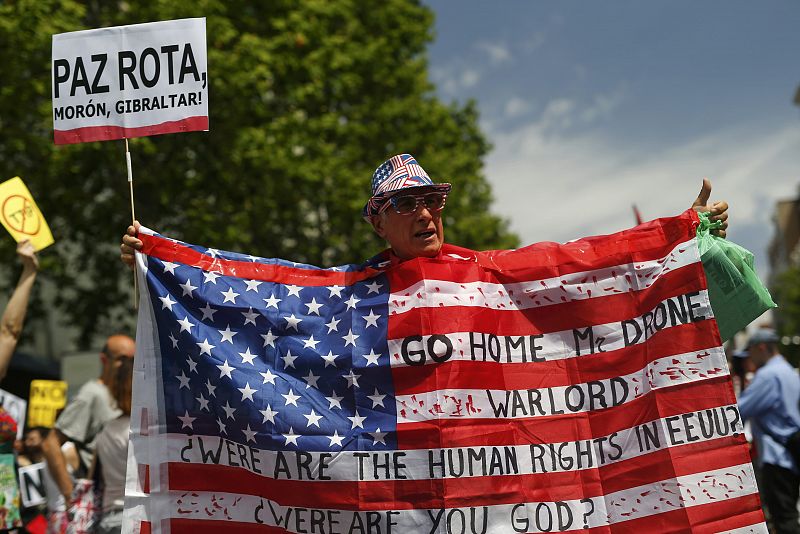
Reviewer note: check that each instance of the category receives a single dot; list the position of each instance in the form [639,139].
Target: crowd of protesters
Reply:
[90,436]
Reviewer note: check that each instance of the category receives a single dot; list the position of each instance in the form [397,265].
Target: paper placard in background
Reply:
[32,485]
[16,408]
[46,398]
[9,493]
[21,216]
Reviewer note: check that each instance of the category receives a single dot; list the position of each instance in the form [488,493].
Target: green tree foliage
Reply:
[786,291]
[306,99]
[787,295]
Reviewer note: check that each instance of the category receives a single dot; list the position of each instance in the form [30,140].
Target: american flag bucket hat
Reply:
[398,173]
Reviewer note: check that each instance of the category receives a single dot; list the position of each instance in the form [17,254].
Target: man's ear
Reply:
[379,225]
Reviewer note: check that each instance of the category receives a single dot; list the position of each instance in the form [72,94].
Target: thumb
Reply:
[705,194]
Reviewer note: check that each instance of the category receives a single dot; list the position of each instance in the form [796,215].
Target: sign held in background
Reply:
[16,408]
[31,484]
[21,216]
[47,397]
[130,81]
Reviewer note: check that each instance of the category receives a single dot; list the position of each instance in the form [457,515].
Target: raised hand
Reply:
[718,210]
[27,254]
[130,244]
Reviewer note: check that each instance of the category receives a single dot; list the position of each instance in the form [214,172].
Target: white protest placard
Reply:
[130,81]
[16,408]
[32,485]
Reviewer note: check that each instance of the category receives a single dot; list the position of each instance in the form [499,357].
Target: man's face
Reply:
[411,235]
[117,347]
[33,440]
[759,354]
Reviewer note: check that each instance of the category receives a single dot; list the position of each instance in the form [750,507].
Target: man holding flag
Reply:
[435,388]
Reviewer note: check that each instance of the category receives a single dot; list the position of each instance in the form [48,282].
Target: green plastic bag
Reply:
[736,293]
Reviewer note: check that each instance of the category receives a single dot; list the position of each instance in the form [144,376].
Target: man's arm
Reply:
[73,425]
[14,314]
[758,398]
[51,447]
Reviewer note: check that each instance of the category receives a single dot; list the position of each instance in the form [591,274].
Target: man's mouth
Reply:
[425,234]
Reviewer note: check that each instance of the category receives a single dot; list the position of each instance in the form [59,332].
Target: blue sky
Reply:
[593,106]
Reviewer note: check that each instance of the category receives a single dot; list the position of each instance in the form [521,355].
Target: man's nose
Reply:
[423,213]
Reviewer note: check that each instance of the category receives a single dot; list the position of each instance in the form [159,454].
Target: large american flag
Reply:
[558,387]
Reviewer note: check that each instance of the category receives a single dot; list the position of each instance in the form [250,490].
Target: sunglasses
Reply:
[407,204]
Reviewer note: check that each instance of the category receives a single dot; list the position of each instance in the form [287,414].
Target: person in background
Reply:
[10,330]
[84,417]
[31,452]
[742,370]
[55,507]
[111,453]
[14,314]
[771,402]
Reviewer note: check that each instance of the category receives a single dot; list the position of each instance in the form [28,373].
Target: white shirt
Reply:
[112,452]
